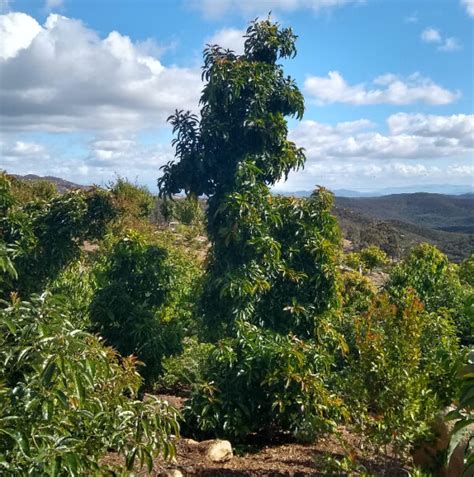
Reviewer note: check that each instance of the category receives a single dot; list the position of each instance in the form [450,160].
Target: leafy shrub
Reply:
[403,370]
[372,257]
[466,270]
[427,271]
[272,258]
[128,308]
[464,416]
[357,293]
[167,209]
[132,199]
[367,259]
[66,400]
[353,261]
[189,211]
[47,235]
[75,287]
[183,371]
[274,265]
[25,191]
[265,383]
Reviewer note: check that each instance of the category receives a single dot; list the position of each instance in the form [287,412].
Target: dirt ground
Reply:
[279,459]
[289,460]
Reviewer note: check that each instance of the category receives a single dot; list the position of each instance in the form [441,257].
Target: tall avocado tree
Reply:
[272,258]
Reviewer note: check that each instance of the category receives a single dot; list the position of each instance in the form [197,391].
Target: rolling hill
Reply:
[453,213]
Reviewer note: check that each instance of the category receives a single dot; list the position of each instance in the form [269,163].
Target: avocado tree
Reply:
[44,236]
[271,260]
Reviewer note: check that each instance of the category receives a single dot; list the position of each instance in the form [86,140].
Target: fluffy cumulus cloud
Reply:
[96,160]
[14,151]
[17,31]
[385,89]
[63,77]
[458,127]
[447,44]
[218,8]
[411,136]
[416,149]
[469,6]
[230,38]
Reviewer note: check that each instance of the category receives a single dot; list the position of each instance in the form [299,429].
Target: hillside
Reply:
[435,211]
[61,184]
[396,237]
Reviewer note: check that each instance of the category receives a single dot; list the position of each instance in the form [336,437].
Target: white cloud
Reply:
[106,156]
[15,151]
[64,77]
[386,89]
[447,44]
[469,6]
[431,35]
[218,8]
[411,136]
[456,126]
[229,38]
[371,175]
[17,31]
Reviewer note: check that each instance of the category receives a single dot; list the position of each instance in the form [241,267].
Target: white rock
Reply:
[172,473]
[218,451]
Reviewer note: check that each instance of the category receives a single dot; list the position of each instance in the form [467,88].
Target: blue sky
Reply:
[86,86]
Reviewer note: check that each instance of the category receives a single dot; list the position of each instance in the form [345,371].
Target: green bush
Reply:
[403,370]
[75,287]
[25,191]
[48,235]
[265,383]
[274,264]
[66,400]
[189,211]
[272,260]
[436,282]
[466,271]
[183,371]
[372,257]
[131,199]
[367,259]
[134,284]
[464,416]
[357,293]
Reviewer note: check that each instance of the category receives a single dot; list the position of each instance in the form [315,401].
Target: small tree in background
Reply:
[47,235]
[436,281]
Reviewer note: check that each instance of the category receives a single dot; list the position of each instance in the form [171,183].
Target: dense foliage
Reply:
[133,288]
[437,283]
[263,382]
[47,235]
[399,375]
[272,258]
[66,399]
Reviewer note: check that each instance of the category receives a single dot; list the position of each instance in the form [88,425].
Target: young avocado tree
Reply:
[272,258]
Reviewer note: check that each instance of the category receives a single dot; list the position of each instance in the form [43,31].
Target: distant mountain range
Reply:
[431,188]
[451,213]
[61,184]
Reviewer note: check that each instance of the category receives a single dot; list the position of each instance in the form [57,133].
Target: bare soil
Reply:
[279,459]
